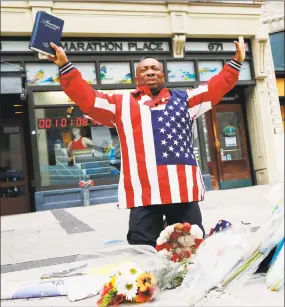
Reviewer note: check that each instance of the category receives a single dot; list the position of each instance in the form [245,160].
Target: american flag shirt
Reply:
[156,135]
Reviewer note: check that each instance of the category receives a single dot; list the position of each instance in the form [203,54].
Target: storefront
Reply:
[68,147]
[233,142]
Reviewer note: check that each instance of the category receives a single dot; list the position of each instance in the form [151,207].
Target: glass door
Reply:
[231,146]
[14,196]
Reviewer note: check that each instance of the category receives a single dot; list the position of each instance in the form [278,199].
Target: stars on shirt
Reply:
[175,133]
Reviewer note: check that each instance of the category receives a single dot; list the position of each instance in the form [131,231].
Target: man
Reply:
[160,175]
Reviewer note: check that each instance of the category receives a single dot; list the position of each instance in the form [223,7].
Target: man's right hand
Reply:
[60,57]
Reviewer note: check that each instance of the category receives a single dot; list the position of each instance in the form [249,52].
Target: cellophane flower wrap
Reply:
[179,241]
[275,275]
[262,242]
[128,284]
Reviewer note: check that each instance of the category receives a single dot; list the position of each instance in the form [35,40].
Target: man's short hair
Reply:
[150,57]
[147,57]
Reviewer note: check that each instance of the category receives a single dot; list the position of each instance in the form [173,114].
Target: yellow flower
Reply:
[113,280]
[145,281]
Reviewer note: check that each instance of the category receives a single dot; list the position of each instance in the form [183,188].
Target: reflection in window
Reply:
[277,47]
[42,74]
[111,73]
[12,192]
[75,148]
[245,72]
[11,83]
[88,71]
[10,66]
[181,71]
[208,69]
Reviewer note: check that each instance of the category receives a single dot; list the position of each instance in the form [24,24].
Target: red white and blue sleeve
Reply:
[204,97]
[97,105]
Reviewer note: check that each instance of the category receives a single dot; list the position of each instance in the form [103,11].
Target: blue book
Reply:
[47,28]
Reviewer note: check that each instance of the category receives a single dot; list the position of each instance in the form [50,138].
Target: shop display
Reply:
[74,147]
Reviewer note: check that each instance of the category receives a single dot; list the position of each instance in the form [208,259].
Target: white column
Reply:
[262,132]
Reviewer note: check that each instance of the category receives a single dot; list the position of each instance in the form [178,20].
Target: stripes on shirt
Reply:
[235,65]
[66,68]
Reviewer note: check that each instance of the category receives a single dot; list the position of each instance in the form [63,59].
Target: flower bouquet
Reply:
[179,241]
[129,284]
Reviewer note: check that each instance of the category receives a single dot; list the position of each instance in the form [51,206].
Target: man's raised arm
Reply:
[207,95]
[99,106]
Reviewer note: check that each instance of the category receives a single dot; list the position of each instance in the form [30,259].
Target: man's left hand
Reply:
[240,50]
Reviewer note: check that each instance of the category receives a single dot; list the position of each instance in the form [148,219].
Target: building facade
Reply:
[50,146]
[273,17]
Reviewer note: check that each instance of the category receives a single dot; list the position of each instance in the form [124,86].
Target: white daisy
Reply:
[126,287]
[196,232]
[169,229]
[164,235]
[129,271]
[161,240]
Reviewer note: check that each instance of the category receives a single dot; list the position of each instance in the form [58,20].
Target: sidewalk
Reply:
[37,243]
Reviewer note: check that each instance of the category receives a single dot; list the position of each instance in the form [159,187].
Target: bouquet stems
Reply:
[247,264]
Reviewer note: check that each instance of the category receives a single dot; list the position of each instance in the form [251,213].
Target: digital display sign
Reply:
[66,122]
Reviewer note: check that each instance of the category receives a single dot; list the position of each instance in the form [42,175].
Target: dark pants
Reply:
[146,223]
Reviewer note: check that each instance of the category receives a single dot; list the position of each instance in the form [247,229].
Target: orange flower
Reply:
[145,296]
[178,226]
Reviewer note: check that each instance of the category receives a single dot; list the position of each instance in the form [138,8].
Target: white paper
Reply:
[231,141]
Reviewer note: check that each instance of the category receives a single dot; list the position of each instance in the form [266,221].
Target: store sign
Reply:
[115,46]
[94,46]
[211,46]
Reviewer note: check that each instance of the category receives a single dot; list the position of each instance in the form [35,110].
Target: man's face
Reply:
[149,73]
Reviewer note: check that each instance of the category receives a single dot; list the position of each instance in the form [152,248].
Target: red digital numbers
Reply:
[47,123]
[41,124]
[63,122]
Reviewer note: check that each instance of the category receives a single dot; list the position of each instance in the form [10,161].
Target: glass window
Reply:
[60,98]
[42,74]
[51,98]
[11,164]
[88,71]
[11,83]
[10,66]
[12,192]
[230,136]
[208,69]
[74,148]
[201,143]
[197,151]
[277,47]
[181,71]
[111,73]
[245,72]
